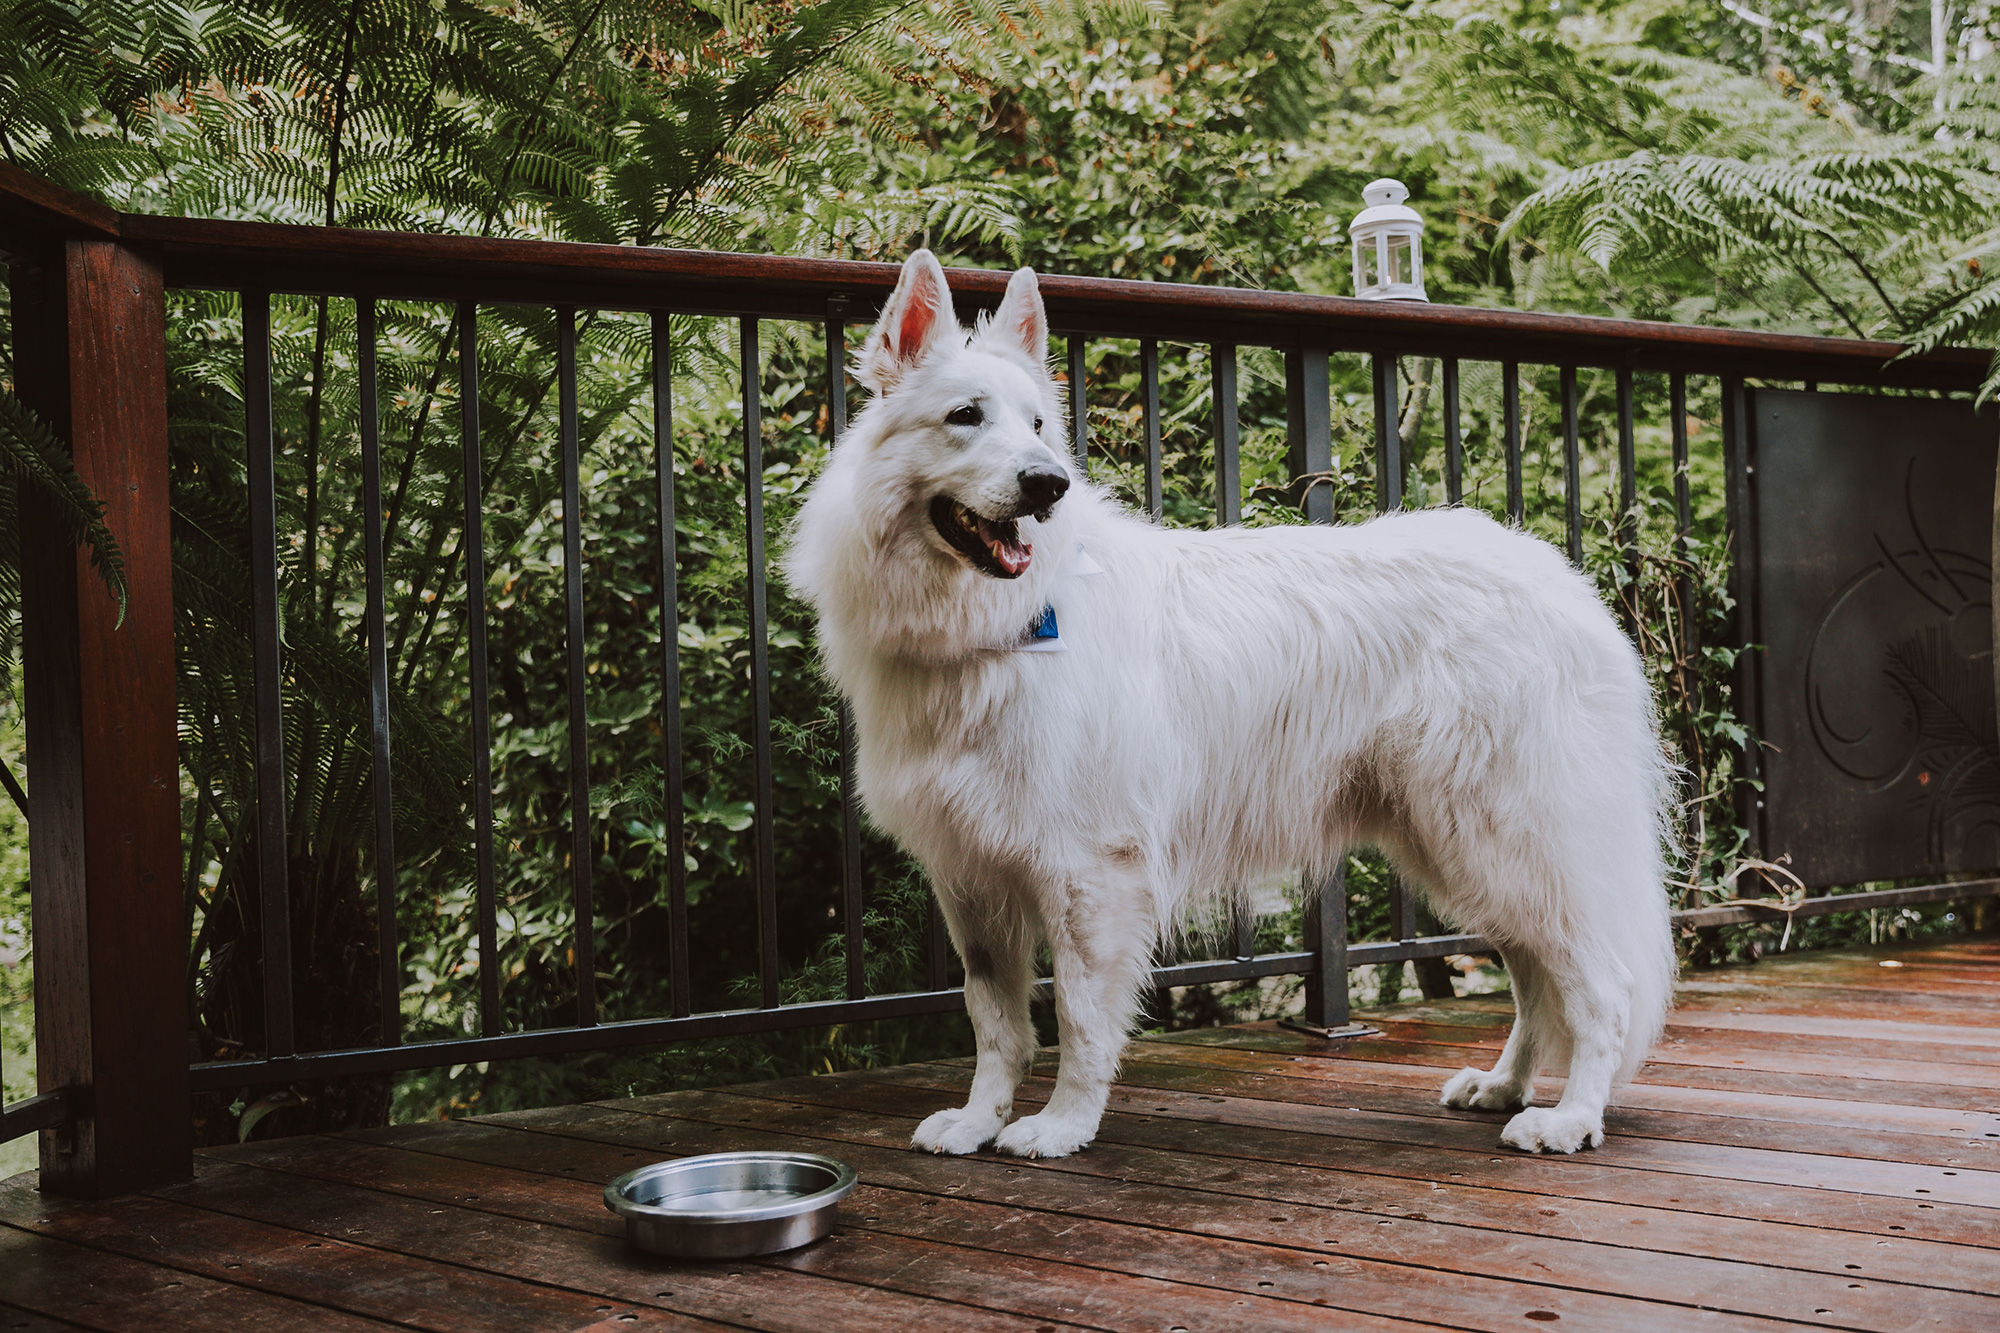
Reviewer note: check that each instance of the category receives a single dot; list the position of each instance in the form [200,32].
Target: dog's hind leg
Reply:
[1102,944]
[1511,1081]
[994,940]
[1592,992]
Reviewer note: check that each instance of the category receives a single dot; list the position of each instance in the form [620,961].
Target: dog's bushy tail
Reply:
[1642,933]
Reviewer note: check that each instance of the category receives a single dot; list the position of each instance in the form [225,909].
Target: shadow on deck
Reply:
[1816,1142]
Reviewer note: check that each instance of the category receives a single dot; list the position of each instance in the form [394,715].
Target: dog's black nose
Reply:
[1041,486]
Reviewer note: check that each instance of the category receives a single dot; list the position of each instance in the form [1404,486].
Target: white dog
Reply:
[1225,706]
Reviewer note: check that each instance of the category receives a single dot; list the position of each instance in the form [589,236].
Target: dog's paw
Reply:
[957,1131]
[1552,1129]
[1045,1136]
[1477,1090]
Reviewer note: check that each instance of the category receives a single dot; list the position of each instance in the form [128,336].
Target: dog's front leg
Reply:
[1101,945]
[993,940]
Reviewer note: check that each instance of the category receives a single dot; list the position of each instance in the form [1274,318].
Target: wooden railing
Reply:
[109,937]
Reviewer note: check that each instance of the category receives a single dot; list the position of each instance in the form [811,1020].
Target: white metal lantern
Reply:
[1388,245]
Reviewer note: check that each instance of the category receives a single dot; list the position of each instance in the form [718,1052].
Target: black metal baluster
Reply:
[1628,474]
[474,469]
[1326,936]
[1149,395]
[273,854]
[1510,389]
[1388,439]
[1309,429]
[1572,469]
[1740,495]
[670,661]
[1228,466]
[851,869]
[1683,515]
[1079,406]
[765,866]
[1243,927]
[937,952]
[1454,444]
[1677,389]
[580,855]
[389,959]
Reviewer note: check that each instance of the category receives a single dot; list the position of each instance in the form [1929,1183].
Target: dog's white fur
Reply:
[1231,704]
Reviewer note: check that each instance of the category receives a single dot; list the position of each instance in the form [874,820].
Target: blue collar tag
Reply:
[1043,636]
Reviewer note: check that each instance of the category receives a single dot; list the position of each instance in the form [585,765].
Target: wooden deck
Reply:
[1817,1142]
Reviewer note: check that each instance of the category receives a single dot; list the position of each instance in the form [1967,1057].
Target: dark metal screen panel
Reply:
[1873,525]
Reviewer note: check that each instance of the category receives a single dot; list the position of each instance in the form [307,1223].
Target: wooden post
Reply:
[103,768]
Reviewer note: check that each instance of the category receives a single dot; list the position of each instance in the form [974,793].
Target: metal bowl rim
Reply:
[618,1202]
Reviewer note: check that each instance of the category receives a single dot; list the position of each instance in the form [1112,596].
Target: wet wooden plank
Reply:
[1646,1093]
[1443,1187]
[483,1221]
[1588,1176]
[1893,971]
[881,1143]
[1965,1183]
[895,1281]
[1686,1055]
[1859,1002]
[1869,1029]
[480,1220]
[59,1280]
[1472,1282]
[1407,1230]
[1694,1115]
[13,1319]
[1829,1042]
[322,1270]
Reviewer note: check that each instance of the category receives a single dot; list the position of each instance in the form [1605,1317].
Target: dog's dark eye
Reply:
[1038,425]
[969,415]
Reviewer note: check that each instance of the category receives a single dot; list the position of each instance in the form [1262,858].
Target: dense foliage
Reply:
[1628,157]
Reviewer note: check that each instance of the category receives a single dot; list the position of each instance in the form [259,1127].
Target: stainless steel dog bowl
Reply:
[730,1205]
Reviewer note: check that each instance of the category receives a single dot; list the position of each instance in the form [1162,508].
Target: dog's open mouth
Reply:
[993,547]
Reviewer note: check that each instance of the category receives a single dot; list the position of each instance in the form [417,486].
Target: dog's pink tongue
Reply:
[1012,555]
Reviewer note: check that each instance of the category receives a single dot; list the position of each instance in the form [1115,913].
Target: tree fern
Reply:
[36,465]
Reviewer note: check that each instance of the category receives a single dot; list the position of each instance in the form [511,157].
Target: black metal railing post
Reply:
[1510,430]
[1739,468]
[670,662]
[266,636]
[1228,464]
[1149,397]
[1628,473]
[1309,430]
[472,466]
[852,889]
[1388,435]
[389,964]
[764,867]
[1454,443]
[1325,895]
[1572,470]
[583,898]
[1079,405]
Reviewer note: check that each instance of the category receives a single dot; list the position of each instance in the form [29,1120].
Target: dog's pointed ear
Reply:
[917,315]
[1021,324]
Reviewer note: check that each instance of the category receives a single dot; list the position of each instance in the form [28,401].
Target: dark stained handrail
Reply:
[306,260]
[339,261]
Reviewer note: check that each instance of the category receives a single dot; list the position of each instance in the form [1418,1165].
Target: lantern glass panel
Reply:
[1401,268]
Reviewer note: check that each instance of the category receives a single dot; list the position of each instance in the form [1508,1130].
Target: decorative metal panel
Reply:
[1872,599]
